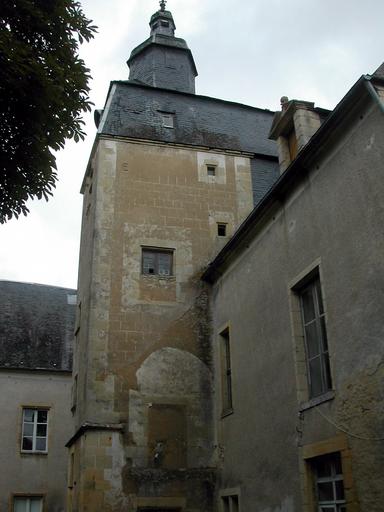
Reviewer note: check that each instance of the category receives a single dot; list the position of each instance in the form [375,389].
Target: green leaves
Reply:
[44,90]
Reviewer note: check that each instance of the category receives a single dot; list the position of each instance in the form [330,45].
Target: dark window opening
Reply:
[164,23]
[230,503]
[315,336]
[211,170]
[221,229]
[157,262]
[226,371]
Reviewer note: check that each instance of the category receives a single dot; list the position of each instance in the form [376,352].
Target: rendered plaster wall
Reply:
[332,220]
[144,358]
[27,473]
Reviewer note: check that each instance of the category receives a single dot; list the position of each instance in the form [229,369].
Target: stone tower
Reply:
[170,177]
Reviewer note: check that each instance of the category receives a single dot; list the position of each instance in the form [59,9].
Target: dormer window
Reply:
[167,119]
[164,24]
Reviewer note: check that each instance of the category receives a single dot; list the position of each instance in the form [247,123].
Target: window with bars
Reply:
[329,485]
[27,504]
[157,262]
[35,431]
[315,336]
[226,371]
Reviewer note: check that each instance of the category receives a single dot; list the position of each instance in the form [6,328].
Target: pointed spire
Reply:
[163,4]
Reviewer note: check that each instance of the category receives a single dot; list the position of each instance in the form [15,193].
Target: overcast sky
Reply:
[249,51]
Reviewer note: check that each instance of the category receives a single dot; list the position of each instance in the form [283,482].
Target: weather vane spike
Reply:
[163,3]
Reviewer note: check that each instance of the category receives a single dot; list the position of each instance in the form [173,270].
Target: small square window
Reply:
[221,229]
[168,120]
[211,170]
[157,262]
[27,504]
[35,431]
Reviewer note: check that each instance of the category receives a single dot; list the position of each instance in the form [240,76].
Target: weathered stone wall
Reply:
[332,220]
[143,352]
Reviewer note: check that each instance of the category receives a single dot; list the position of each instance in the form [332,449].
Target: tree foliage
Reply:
[44,88]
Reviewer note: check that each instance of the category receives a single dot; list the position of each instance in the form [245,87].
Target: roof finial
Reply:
[163,3]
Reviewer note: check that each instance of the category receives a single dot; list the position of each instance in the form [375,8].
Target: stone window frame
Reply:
[27,495]
[309,452]
[37,408]
[302,382]
[229,500]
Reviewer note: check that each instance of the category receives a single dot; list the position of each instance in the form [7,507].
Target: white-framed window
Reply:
[328,476]
[315,337]
[27,504]
[34,437]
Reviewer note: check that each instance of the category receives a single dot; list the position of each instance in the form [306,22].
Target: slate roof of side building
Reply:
[36,326]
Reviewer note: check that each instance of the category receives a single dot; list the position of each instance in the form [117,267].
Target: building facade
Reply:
[298,320]
[170,178]
[36,334]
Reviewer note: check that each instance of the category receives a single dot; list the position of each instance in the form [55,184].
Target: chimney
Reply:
[292,128]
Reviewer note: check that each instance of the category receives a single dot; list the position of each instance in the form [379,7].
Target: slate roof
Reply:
[294,173]
[36,326]
[134,110]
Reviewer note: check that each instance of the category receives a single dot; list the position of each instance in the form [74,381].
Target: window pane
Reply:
[29,414]
[325,491]
[28,429]
[308,305]
[319,297]
[164,260]
[19,505]
[339,490]
[27,443]
[36,504]
[148,263]
[315,376]
[327,372]
[323,467]
[42,416]
[225,502]
[41,443]
[41,430]
[336,459]
[323,335]
[312,340]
